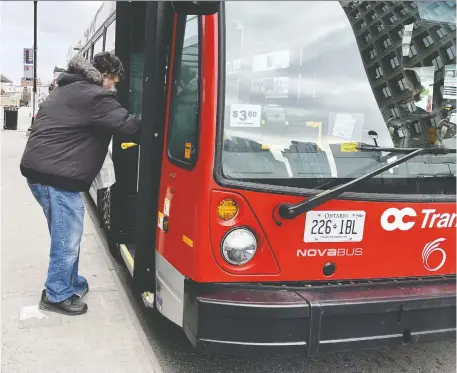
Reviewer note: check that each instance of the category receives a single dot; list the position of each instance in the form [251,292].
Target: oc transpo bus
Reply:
[294,186]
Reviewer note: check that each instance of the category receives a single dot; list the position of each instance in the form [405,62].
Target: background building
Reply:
[409,53]
[379,28]
[10,95]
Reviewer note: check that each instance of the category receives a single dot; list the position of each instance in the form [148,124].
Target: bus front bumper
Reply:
[318,319]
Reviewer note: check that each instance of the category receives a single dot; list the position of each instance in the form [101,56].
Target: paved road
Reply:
[176,355]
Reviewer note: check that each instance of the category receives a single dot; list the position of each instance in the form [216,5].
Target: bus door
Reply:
[130,46]
[181,170]
[168,53]
[169,171]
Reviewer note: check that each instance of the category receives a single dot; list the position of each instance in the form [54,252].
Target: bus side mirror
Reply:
[374,136]
[197,8]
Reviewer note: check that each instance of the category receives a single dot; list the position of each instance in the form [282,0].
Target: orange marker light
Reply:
[227,209]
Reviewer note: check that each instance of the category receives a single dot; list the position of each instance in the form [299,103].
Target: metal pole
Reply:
[35,3]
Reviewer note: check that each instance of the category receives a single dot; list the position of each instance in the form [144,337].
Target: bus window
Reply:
[110,37]
[182,143]
[136,68]
[98,46]
[303,98]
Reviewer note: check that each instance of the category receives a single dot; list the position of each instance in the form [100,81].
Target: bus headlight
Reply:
[238,246]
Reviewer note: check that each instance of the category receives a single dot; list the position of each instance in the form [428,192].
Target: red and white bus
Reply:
[294,187]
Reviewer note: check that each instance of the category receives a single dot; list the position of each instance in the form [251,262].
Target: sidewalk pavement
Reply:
[107,339]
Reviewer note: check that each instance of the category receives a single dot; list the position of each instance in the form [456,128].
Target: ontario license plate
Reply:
[334,226]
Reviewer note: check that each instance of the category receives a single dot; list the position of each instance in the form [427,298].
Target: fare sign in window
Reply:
[242,115]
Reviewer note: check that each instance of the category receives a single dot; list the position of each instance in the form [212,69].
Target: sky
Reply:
[60,24]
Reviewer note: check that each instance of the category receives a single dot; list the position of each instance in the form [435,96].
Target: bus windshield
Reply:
[307,82]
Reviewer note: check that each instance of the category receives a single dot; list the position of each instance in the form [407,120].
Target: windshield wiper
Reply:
[291,211]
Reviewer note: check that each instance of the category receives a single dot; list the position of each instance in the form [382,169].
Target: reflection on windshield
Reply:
[306,82]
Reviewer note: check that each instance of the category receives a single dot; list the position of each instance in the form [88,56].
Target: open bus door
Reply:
[130,46]
[145,34]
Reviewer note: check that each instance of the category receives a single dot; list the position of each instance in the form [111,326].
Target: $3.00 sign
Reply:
[242,115]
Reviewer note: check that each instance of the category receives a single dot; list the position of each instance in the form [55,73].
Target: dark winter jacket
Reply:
[72,131]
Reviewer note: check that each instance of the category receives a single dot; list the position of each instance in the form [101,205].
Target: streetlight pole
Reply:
[35,3]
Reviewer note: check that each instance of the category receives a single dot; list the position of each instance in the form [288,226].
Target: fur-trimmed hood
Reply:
[81,67]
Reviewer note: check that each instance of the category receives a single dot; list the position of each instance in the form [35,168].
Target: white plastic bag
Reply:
[106,177]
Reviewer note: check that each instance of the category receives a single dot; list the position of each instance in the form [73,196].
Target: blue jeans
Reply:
[64,212]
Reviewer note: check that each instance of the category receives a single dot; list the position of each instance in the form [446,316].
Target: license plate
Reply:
[334,226]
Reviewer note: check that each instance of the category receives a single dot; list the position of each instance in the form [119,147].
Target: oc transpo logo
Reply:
[429,249]
[393,218]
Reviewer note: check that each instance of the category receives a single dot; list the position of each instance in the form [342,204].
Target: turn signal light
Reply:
[227,209]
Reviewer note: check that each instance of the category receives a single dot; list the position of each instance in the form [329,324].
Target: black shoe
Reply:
[81,296]
[71,307]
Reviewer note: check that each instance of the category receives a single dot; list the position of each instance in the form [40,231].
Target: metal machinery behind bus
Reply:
[294,187]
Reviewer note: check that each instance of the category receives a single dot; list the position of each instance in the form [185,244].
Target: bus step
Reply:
[128,254]
[148,299]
